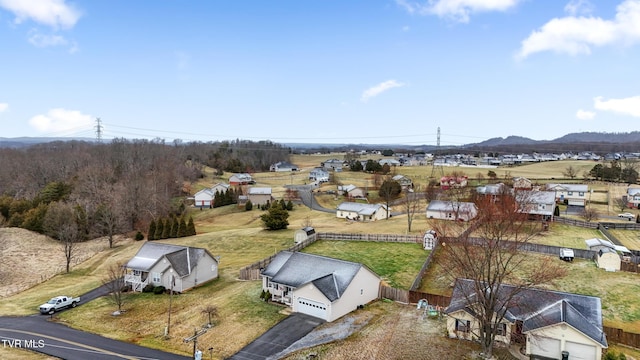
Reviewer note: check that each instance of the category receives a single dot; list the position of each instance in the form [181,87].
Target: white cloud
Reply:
[61,120]
[42,40]
[577,35]
[379,89]
[458,10]
[585,115]
[3,107]
[54,13]
[626,106]
[575,7]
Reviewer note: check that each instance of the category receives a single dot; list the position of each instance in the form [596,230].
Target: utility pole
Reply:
[98,130]
[173,280]
[196,334]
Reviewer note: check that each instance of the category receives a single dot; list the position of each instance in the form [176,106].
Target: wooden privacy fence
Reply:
[619,336]
[412,297]
[597,225]
[425,267]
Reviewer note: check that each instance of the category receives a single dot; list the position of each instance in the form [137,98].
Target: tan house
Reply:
[545,323]
[522,183]
[259,195]
[361,212]
[352,191]
[405,182]
[319,286]
[171,266]
[241,179]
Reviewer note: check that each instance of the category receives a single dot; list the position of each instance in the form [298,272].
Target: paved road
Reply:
[36,333]
[306,196]
[279,337]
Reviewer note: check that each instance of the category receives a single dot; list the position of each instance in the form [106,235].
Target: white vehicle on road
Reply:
[58,303]
[628,216]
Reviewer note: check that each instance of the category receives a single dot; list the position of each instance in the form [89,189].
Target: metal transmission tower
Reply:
[98,130]
[436,164]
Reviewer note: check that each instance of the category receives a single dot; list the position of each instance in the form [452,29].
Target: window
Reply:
[570,193]
[463,325]
[156,277]
[502,329]
[581,193]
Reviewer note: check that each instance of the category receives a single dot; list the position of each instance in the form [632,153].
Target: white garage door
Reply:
[546,347]
[580,351]
[576,202]
[312,308]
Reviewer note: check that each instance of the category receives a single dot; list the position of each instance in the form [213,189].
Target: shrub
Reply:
[248,206]
[159,290]
[148,288]
[139,236]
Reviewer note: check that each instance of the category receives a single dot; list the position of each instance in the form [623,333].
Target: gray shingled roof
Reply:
[330,276]
[182,258]
[362,209]
[539,308]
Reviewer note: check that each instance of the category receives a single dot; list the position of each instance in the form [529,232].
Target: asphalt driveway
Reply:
[279,337]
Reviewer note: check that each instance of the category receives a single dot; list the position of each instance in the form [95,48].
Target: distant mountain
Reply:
[510,140]
[597,137]
[20,142]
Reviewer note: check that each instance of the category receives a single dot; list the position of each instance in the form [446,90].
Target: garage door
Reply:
[546,347]
[576,202]
[580,351]
[312,308]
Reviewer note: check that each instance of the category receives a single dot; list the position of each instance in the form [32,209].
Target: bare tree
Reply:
[307,222]
[411,204]
[114,282]
[211,311]
[620,203]
[570,172]
[492,259]
[389,190]
[589,214]
[60,224]
[109,222]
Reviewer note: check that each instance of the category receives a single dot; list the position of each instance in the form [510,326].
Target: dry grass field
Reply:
[238,237]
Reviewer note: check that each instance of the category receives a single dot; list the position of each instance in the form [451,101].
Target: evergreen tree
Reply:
[166,231]
[159,229]
[248,206]
[182,228]
[217,199]
[174,227]
[289,205]
[191,227]
[152,230]
[276,218]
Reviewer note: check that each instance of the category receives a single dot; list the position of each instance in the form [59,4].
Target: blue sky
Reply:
[334,71]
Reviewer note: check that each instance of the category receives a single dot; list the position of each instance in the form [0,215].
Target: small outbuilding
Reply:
[608,259]
[303,234]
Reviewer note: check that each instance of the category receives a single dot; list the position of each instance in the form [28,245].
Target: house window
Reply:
[463,325]
[502,329]
[543,206]
[156,277]
[581,194]
[569,193]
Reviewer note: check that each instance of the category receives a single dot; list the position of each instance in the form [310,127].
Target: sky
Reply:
[332,71]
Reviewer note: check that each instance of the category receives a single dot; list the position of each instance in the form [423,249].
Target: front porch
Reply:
[136,281]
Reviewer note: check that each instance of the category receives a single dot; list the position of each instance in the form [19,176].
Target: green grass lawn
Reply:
[396,263]
[566,236]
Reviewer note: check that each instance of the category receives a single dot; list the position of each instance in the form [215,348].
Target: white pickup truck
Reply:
[58,303]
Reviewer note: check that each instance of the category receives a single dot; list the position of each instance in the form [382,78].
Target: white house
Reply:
[319,286]
[171,266]
[332,164]
[545,322]
[361,212]
[451,210]
[319,174]
[204,198]
[538,204]
[283,166]
[572,194]
[633,197]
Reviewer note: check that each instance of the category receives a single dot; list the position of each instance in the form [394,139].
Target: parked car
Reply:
[58,303]
[627,215]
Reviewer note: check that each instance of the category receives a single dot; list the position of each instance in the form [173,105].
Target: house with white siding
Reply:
[319,286]
[361,212]
[451,210]
[571,194]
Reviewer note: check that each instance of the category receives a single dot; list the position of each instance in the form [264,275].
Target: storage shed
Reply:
[302,234]
[608,259]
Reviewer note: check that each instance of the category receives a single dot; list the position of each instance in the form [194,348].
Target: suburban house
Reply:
[332,165]
[390,162]
[544,322]
[171,266]
[319,286]
[283,166]
[538,204]
[259,195]
[633,198]
[522,183]
[405,182]
[361,212]
[351,191]
[319,174]
[452,182]
[206,196]
[494,190]
[572,194]
[241,179]
[451,210]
